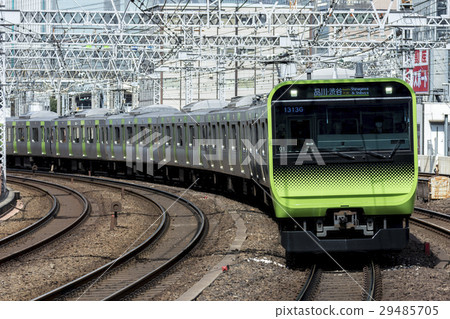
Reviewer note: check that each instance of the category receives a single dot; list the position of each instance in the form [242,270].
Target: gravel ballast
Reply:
[258,271]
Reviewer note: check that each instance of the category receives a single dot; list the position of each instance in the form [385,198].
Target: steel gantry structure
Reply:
[62,50]
[59,48]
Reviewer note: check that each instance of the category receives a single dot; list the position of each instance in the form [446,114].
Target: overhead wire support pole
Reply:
[2,102]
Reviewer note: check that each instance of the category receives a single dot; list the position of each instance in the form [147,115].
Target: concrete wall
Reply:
[427,164]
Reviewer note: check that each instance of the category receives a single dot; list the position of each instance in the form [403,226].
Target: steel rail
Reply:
[58,292]
[78,220]
[315,278]
[51,213]
[310,285]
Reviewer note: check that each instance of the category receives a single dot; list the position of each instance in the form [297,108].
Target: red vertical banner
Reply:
[419,76]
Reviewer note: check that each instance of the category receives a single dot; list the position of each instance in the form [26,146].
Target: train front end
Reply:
[343,163]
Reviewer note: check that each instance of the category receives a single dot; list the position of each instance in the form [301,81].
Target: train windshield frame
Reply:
[344,125]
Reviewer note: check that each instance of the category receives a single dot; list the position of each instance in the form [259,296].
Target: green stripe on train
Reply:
[83,137]
[43,151]
[97,131]
[69,137]
[14,137]
[28,138]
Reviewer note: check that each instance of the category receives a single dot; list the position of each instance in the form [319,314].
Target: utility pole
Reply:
[2,101]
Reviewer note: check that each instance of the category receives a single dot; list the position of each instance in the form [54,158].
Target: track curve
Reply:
[135,268]
[70,209]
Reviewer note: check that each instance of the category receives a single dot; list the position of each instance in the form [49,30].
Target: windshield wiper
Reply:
[343,155]
[336,153]
[375,154]
[397,146]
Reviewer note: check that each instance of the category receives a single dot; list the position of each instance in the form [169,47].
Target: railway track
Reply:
[434,221]
[69,209]
[181,228]
[356,284]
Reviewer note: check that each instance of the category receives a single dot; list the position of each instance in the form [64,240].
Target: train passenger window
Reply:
[204,131]
[35,134]
[157,136]
[117,135]
[255,136]
[191,135]
[8,134]
[62,135]
[144,135]
[233,136]
[90,134]
[263,128]
[214,135]
[106,135]
[244,137]
[76,135]
[168,135]
[129,134]
[224,137]
[179,136]
[20,134]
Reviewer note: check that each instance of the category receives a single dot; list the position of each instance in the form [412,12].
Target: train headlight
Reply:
[294,93]
[388,89]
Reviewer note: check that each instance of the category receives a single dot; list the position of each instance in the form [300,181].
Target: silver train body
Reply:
[210,141]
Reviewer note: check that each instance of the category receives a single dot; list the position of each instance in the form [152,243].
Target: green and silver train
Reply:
[336,159]
[344,178]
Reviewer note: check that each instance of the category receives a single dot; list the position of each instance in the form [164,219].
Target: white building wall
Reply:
[433,130]
[28,4]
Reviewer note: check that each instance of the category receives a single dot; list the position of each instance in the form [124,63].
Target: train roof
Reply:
[158,109]
[39,115]
[93,113]
[207,105]
[246,101]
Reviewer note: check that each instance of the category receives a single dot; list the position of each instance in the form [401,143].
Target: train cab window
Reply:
[129,134]
[191,135]
[169,135]
[179,136]
[300,130]
[90,134]
[117,135]
[76,135]
[224,137]
[62,135]
[35,134]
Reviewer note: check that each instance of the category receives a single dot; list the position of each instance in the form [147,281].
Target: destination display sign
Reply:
[341,91]
[321,90]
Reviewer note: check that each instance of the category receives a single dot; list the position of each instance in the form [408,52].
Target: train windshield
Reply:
[334,126]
